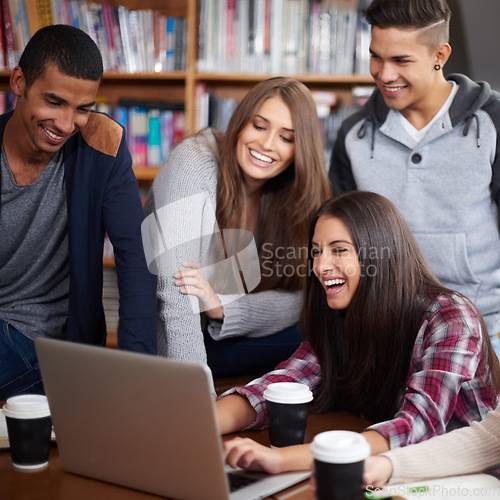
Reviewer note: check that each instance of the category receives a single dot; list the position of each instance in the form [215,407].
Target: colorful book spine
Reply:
[153,138]
[10,39]
[170,45]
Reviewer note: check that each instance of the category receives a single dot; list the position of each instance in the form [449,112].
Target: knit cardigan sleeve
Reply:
[258,314]
[467,450]
[183,201]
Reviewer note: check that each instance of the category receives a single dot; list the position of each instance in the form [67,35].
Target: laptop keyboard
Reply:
[238,481]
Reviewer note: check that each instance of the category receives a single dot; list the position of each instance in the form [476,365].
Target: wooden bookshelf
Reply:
[180,86]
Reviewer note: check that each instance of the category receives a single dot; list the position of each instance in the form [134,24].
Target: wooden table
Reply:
[53,483]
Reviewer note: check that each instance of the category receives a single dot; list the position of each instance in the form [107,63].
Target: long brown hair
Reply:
[290,199]
[365,350]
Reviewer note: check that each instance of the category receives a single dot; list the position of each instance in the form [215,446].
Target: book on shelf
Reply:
[130,41]
[10,38]
[110,298]
[281,36]
[45,16]
[152,127]
[32,16]
[363,38]
[239,63]
[107,249]
[153,138]
[19,18]
[7,101]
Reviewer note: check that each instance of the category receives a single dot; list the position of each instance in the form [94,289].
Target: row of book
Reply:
[213,110]
[152,128]
[321,37]
[130,41]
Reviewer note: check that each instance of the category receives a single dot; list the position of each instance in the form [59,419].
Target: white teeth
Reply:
[334,282]
[260,157]
[52,135]
[393,89]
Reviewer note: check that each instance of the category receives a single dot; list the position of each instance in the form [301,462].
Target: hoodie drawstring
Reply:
[362,132]
[468,121]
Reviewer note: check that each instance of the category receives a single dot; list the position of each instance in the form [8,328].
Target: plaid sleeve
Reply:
[302,367]
[444,378]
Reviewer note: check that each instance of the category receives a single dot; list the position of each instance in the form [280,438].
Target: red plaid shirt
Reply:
[447,386]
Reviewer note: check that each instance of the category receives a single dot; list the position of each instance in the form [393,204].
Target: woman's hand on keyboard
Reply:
[249,455]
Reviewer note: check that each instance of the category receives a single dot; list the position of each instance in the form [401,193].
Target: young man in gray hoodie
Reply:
[431,144]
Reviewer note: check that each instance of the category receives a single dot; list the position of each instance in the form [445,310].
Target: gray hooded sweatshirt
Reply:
[447,186]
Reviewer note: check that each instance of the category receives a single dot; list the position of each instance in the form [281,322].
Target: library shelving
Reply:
[182,86]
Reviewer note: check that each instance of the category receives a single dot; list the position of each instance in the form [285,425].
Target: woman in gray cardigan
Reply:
[228,220]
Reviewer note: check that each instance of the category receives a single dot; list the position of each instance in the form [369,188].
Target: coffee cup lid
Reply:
[27,406]
[340,447]
[288,392]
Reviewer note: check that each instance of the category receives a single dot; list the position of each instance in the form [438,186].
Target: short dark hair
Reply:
[70,49]
[412,14]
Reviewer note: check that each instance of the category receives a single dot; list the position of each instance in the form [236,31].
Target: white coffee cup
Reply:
[29,427]
[338,464]
[288,393]
[287,406]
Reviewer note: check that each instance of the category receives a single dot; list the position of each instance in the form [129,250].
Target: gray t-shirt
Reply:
[34,265]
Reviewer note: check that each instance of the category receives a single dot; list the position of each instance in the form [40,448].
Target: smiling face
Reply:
[403,69]
[265,146]
[336,263]
[54,108]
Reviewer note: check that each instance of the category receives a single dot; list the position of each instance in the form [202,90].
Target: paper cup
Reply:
[287,410]
[29,428]
[339,458]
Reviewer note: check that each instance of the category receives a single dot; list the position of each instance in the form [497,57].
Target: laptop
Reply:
[141,421]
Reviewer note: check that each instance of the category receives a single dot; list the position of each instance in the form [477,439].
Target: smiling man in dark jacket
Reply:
[66,180]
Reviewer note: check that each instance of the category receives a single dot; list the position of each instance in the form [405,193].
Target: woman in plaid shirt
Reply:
[385,340]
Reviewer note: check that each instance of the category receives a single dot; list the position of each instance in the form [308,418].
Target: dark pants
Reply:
[250,356]
[19,371]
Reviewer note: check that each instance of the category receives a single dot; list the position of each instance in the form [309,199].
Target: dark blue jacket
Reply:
[102,197]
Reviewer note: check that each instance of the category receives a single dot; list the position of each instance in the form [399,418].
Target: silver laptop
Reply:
[141,421]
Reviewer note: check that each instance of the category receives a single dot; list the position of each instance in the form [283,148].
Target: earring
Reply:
[437,67]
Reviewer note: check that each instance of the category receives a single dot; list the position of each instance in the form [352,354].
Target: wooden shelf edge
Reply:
[231,77]
[176,75]
[146,173]
[306,78]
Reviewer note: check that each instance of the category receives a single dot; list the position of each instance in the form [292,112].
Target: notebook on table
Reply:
[465,487]
[141,421]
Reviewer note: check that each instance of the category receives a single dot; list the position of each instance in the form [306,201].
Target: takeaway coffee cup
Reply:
[29,427]
[287,409]
[339,458]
